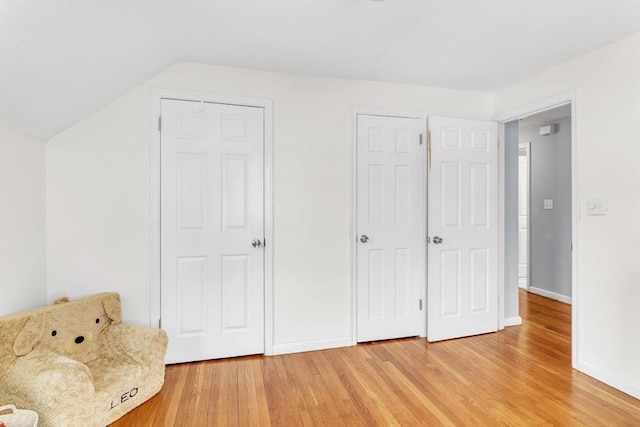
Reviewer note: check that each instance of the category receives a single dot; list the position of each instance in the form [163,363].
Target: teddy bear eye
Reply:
[54,333]
[97,320]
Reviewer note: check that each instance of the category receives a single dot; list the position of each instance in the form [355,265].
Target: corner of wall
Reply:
[22,221]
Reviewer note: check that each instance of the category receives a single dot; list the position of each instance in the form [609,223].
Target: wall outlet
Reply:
[548,203]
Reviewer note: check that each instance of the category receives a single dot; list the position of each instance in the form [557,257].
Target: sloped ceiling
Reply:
[62,60]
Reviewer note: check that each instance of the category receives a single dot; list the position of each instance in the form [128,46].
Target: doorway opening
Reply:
[544,203]
[540,206]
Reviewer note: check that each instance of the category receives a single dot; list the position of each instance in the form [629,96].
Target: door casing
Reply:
[267,105]
[569,97]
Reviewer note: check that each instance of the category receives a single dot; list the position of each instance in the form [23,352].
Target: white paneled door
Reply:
[212,228]
[390,226]
[463,228]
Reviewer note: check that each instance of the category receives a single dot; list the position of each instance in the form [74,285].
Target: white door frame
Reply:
[353,238]
[527,146]
[267,105]
[564,98]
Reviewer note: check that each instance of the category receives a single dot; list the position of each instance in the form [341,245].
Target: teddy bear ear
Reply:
[112,307]
[29,335]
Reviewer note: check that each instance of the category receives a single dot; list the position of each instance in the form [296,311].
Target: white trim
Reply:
[608,378]
[570,97]
[549,294]
[389,112]
[512,321]
[269,221]
[527,279]
[527,110]
[353,227]
[267,105]
[425,181]
[575,238]
[501,231]
[353,238]
[311,345]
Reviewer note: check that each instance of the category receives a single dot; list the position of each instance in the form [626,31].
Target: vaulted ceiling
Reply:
[62,60]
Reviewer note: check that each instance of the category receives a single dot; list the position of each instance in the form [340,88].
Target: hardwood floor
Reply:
[519,376]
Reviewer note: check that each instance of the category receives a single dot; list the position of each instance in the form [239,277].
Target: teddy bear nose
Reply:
[79,340]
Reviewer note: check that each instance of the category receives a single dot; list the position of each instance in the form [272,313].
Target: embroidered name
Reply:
[126,396]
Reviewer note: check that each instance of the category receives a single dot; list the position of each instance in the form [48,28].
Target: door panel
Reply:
[212,296]
[390,212]
[191,282]
[463,227]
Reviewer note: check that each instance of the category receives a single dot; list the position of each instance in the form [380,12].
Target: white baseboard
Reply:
[313,345]
[522,282]
[609,379]
[512,321]
[543,292]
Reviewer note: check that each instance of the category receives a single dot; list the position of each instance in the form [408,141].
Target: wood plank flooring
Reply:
[519,376]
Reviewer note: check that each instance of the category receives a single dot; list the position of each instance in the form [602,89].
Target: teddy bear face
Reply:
[71,329]
[74,333]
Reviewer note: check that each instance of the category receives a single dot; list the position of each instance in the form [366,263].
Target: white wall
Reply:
[22,221]
[98,191]
[608,84]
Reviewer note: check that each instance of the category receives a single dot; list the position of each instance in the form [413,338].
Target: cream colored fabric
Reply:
[76,364]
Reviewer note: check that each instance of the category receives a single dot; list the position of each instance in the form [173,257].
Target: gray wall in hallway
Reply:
[550,230]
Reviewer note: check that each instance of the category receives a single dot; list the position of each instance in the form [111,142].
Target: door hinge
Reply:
[421,138]
[420,304]
[159,123]
[571,246]
[160,323]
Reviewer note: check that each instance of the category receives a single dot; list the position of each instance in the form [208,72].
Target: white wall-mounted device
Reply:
[547,130]
[596,206]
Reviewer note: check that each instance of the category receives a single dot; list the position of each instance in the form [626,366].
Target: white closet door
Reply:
[390,227]
[463,227]
[212,276]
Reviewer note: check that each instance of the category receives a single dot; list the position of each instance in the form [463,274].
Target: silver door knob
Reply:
[437,240]
[364,238]
[256,243]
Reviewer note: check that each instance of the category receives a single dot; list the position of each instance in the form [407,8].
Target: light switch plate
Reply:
[548,203]
[596,206]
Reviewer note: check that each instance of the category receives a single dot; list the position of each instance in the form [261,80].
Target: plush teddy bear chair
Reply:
[76,364]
